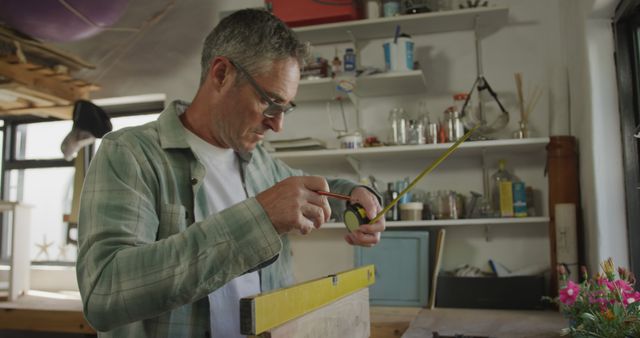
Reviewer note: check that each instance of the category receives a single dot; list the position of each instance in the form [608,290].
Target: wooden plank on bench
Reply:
[264,313]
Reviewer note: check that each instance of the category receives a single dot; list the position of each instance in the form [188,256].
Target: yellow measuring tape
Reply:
[424,172]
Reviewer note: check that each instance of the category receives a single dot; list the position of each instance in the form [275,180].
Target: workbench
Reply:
[45,312]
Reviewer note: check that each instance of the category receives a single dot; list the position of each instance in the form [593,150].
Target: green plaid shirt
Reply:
[144,266]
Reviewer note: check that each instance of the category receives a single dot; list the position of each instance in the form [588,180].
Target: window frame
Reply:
[626,27]
[11,161]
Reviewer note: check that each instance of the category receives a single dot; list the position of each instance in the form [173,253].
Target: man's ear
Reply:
[220,73]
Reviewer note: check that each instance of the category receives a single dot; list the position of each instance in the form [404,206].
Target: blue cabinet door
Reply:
[402,268]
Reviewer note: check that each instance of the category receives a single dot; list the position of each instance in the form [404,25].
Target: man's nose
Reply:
[275,123]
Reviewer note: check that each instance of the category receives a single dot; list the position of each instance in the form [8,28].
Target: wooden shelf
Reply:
[36,90]
[453,222]
[388,153]
[415,24]
[385,84]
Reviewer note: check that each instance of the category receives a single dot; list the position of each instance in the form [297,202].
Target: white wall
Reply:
[553,43]
[567,49]
[594,110]
[532,44]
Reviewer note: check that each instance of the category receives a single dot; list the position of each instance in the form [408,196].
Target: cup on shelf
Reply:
[373,9]
[390,8]
[351,141]
[398,54]
[411,211]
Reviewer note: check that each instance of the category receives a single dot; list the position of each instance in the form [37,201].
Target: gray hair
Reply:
[253,38]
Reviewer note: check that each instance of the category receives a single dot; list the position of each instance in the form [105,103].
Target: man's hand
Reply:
[294,204]
[367,234]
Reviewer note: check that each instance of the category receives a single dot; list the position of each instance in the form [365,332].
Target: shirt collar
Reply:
[170,129]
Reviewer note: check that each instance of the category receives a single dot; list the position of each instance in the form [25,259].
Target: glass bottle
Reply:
[394,126]
[416,132]
[453,124]
[404,123]
[336,66]
[468,112]
[501,191]
[459,99]
[523,130]
[390,195]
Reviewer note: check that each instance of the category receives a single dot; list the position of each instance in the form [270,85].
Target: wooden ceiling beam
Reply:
[60,85]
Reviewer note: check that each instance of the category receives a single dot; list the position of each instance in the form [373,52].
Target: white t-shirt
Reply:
[223,188]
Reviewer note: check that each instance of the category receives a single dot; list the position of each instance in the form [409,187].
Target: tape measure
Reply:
[354,216]
[427,170]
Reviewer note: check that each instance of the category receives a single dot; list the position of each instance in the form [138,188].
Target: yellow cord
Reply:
[424,172]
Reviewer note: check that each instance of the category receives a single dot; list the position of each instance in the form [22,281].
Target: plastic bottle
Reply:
[502,191]
[390,195]
[350,61]
[336,66]
[519,199]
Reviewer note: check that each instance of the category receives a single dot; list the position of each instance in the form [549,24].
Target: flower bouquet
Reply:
[606,305]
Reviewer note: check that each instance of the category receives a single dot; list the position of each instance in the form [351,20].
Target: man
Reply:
[183,216]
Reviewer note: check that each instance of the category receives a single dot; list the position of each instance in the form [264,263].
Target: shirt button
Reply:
[194,181]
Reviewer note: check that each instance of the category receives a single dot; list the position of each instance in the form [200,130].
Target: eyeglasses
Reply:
[273,109]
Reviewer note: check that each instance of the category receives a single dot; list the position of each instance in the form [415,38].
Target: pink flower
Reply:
[569,293]
[619,285]
[630,297]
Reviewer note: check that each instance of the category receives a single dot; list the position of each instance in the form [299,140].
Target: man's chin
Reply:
[247,147]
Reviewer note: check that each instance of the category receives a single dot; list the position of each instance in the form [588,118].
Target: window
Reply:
[35,174]
[627,40]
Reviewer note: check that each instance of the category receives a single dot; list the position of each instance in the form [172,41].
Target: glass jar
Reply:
[415,133]
[453,124]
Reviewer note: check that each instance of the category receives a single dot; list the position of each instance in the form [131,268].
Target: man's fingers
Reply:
[315,214]
[315,183]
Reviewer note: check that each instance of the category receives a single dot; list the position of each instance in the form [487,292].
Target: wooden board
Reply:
[46,80]
[33,48]
[346,317]
[263,312]
[45,311]
[27,88]
[40,320]
[390,322]
[19,275]
[491,323]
